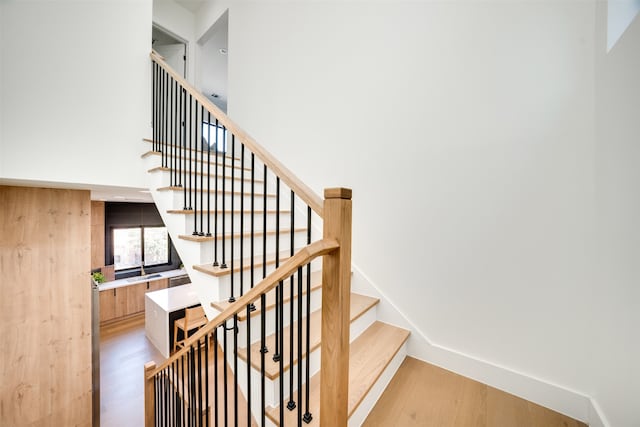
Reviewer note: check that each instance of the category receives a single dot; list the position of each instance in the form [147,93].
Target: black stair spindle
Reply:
[215,216]
[307,415]
[232,238]
[241,219]
[291,405]
[279,290]
[225,385]
[235,369]
[183,141]
[189,144]
[299,417]
[263,351]
[201,148]
[281,351]
[206,376]
[216,396]
[154,88]
[248,321]
[209,174]
[224,185]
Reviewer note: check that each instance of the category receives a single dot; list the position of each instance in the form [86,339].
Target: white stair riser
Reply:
[362,411]
[238,219]
[258,201]
[166,179]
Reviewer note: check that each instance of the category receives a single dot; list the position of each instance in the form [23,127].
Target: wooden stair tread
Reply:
[192,238]
[197,173]
[212,190]
[197,159]
[369,355]
[246,264]
[316,283]
[178,147]
[359,305]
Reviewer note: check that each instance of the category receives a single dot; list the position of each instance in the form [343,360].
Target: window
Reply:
[209,131]
[137,245]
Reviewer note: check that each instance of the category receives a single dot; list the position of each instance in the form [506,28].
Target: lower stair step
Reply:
[369,356]
[360,304]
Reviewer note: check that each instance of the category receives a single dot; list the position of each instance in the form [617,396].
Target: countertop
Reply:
[130,281]
[176,298]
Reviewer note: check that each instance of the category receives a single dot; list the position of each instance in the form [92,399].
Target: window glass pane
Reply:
[127,247]
[209,130]
[156,245]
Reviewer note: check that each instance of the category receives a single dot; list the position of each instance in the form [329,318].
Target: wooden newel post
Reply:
[336,293]
[149,394]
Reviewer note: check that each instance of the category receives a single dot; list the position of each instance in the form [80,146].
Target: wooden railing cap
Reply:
[338,193]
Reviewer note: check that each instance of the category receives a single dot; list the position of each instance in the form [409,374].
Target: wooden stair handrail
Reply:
[299,187]
[302,257]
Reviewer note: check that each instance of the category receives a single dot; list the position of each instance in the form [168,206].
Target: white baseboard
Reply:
[553,396]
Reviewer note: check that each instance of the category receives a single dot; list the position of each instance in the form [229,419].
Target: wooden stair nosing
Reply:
[192,238]
[212,190]
[361,355]
[178,147]
[359,305]
[198,160]
[316,283]
[246,264]
[198,173]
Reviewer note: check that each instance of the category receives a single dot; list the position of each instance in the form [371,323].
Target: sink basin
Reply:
[142,278]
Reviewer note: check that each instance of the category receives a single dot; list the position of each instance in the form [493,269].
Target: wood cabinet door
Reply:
[135,298]
[157,285]
[121,302]
[107,305]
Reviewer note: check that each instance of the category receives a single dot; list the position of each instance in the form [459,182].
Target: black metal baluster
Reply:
[232,238]
[225,386]
[263,351]
[281,351]
[209,174]
[215,217]
[292,404]
[279,307]
[235,370]
[300,366]
[170,130]
[183,141]
[184,397]
[200,402]
[249,364]
[252,219]
[241,219]
[199,140]
[216,396]
[156,399]
[307,415]
[154,88]
[189,151]
[224,185]
[192,386]
[206,375]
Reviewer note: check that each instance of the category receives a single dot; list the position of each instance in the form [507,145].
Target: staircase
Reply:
[279,305]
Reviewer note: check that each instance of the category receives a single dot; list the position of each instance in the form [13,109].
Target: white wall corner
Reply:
[553,396]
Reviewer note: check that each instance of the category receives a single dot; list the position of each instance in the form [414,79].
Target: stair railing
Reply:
[227,180]
[181,391]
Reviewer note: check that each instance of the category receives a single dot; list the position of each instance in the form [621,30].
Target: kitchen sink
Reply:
[141,278]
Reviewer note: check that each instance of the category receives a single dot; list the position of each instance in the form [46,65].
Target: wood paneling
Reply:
[45,307]
[97,234]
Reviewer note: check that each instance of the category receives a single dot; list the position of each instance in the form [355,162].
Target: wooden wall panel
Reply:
[97,234]
[45,307]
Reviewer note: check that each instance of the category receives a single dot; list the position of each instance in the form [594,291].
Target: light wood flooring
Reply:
[124,349]
[420,394]
[424,395]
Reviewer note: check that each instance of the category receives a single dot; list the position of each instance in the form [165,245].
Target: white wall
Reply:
[75,91]
[467,131]
[617,176]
